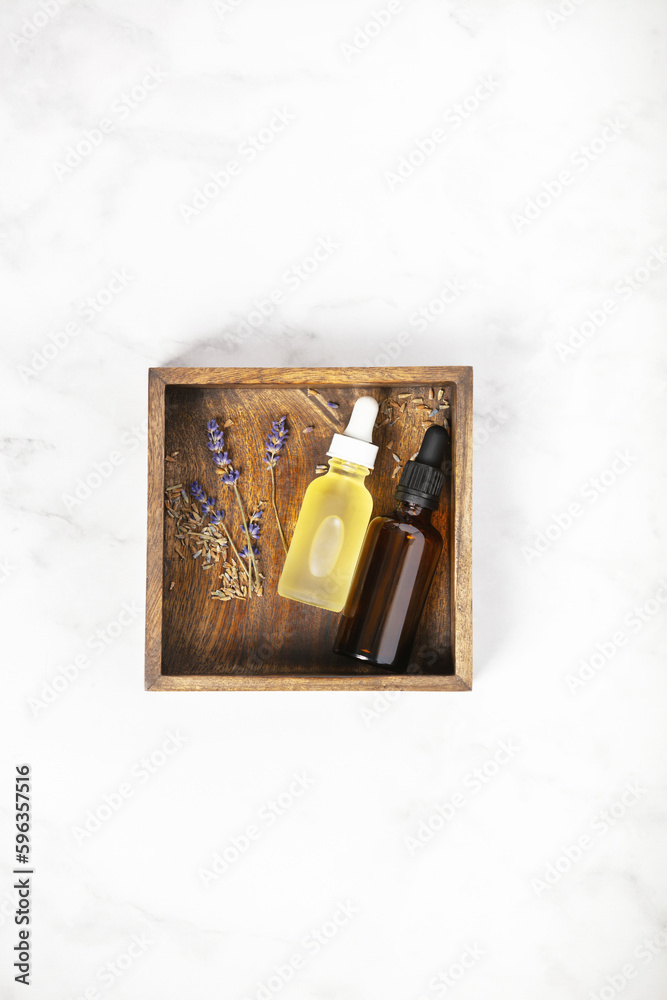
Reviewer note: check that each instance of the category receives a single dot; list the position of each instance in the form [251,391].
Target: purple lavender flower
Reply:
[216,439]
[275,440]
[245,551]
[208,505]
[254,528]
[197,492]
[221,461]
[220,458]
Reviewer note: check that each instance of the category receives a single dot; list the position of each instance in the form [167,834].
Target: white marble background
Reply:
[544,875]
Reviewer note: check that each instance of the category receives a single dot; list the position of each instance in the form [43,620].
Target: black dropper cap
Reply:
[422,480]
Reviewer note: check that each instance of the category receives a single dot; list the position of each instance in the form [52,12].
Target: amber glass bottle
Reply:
[396,567]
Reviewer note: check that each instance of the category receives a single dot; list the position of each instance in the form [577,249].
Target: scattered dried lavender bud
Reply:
[434,412]
[308,430]
[334,406]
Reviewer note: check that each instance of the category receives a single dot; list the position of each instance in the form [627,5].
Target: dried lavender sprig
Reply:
[220,458]
[207,505]
[228,474]
[275,440]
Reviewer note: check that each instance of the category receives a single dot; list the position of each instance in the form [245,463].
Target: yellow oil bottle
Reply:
[333,518]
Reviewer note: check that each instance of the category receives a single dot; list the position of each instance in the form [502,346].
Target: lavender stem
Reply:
[275,507]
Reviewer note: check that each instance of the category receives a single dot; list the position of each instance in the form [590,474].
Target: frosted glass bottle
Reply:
[333,518]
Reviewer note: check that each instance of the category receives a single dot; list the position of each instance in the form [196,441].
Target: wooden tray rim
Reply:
[461,377]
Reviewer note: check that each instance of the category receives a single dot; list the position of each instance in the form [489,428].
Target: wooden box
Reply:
[197,643]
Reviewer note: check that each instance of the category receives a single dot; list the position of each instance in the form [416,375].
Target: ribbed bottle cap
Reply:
[422,480]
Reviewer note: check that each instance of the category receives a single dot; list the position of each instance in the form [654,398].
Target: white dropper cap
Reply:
[355,443]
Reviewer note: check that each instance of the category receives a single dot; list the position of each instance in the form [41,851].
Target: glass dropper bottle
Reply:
[396,566]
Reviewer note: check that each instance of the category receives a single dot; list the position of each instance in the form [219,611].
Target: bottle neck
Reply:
[340,467]
[407,510]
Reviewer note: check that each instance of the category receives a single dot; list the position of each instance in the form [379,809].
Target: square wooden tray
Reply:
[196,643]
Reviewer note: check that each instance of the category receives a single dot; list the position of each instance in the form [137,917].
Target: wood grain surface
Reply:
[196,643]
